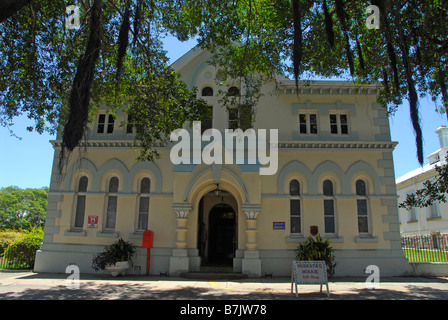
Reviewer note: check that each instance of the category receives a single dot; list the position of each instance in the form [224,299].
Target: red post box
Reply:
[148,238]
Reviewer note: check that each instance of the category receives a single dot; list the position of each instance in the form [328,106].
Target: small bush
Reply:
[317,250]
[7,237]
[120,250]
[21,253]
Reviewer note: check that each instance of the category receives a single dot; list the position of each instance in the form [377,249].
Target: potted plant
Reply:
[116,258]
[317,250]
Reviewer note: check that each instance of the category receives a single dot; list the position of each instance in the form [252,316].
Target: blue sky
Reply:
[27,162]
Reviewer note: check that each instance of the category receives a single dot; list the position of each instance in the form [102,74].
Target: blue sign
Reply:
[278,225]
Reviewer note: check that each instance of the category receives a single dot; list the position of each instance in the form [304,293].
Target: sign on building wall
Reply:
[92,222]
[309,272]
[278,225]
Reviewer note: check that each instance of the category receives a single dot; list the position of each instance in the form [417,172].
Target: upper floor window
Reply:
[130,125]
[207,121]
[240,117]
[339,123]
[433,210]
[308,123]
[233,91]
[105,126]
[207,92]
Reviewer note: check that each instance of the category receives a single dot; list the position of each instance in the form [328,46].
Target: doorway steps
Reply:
[214,273]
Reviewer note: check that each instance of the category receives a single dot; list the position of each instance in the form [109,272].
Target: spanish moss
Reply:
[80,95]
[328,25]
[297,46]
[123,40]
[360,57]
[137,17]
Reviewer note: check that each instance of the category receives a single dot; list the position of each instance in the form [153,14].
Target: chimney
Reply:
[442,131]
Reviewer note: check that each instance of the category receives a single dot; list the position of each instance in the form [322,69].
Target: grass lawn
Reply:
[425,255]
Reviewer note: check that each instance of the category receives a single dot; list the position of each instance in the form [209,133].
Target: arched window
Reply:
[207,92]
[143,206]
[81,202]
[329,212]
[112,199]
[362,207]
[328,188]
[360,188]
[295,206]
[294,188]
[234,91]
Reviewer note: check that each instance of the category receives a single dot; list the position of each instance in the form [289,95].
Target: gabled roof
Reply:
[187,58]
[288,85]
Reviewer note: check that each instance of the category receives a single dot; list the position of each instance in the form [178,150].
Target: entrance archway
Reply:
[217,230]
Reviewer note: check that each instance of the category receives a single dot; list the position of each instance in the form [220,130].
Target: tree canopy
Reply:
[22,208]
[59,76]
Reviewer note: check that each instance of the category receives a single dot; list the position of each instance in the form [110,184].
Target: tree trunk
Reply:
[9,7]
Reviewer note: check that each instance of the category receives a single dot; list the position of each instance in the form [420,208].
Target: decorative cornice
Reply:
[345,145]
[107,144]
[340,145]
[328,88]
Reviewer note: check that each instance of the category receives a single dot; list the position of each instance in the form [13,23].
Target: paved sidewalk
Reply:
[43,286]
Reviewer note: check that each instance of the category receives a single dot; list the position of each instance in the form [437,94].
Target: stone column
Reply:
[251,231]
[179,261]
[181,228]
[251,262]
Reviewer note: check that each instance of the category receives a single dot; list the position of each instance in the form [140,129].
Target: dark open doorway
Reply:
[222,235]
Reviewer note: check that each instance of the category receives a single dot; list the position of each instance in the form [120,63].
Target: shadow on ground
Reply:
[103,287]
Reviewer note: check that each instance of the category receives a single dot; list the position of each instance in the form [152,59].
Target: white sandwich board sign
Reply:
[309,272]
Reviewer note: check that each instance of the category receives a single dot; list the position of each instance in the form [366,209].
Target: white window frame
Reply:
[362,197]
[291,199]
[80,195]
[307,123]
[110,196]
[436,207]
[109,121]
[333,200]
[412,213]
[143,195]
[339,123]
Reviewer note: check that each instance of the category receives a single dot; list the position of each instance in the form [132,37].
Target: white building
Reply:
[433,219]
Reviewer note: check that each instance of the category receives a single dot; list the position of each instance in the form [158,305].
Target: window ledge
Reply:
[434,218]
[136,235]
[366,239]
[295,238]
[75,233]
[107,234]
[412,221]
[334,239]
